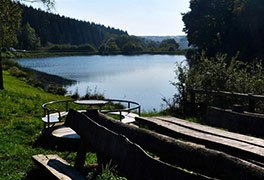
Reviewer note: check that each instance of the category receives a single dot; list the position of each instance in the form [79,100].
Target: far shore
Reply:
[39,54]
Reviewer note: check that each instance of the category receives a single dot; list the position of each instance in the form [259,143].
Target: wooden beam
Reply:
[130,158]
[213,138]
[187,155]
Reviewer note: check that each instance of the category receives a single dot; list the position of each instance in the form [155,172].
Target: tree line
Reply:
[56,29]
[59,33]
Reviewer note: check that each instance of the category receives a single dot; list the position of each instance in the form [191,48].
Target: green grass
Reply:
[20,125]
[20,112]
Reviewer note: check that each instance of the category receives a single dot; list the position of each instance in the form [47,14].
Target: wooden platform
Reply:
[65,132]
[127,117]
[245,147]
[53,118]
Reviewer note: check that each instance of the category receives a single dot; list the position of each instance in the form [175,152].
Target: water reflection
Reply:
[145,78]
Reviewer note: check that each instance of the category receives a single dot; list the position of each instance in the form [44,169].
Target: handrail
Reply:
[48,110]
[252,98]
[131,106]
[226,93]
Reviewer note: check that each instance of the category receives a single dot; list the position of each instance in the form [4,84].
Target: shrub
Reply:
[56,90]
[219,74]
[14,71]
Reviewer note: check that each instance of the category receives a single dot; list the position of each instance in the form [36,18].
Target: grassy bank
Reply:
[20,125]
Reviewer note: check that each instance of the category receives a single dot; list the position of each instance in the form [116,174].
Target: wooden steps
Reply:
[242,146]
[57,167]
[122,144]
[131,159]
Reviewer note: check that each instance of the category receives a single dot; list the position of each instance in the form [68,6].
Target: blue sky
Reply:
[137,17]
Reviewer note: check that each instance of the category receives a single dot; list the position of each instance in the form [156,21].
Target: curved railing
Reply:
[131,106]
[47,109]
[51,113]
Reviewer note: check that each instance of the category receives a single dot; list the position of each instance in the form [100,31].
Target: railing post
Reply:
[251,103]
[128,106]
[67,106]
[120,115]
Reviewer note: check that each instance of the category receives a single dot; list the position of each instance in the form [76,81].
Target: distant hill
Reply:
[56,29]
[181,40]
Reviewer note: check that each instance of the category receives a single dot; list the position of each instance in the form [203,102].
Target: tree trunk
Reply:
[1,73]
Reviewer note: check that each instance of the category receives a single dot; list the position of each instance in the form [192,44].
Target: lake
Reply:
[142,78]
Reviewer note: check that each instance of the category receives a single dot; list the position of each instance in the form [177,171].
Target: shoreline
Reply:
[41,54]
[47,79]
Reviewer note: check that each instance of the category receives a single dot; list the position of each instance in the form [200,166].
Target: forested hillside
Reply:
[58,29]
[55,33]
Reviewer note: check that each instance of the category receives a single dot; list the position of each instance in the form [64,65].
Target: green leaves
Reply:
[220,74]
[10,17]
[227,27]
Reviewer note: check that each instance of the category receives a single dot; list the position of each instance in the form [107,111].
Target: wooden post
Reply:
[251,103]
[81,155]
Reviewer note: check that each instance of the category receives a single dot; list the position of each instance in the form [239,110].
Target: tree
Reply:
[28,39]
[169,45]
[226,26]
[208,24]
[10,19]
[9,24]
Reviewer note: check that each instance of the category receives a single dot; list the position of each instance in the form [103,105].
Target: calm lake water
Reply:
[144,78]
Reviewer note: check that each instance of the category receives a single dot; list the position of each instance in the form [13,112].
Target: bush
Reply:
[56,90]
[14,71]
[219,74]
[7,64]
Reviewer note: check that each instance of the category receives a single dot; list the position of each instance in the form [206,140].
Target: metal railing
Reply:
[130,106]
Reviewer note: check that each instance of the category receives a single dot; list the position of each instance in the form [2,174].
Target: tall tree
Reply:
[10,16]
[226,26]
[10,19]
[207,23]
[27,38]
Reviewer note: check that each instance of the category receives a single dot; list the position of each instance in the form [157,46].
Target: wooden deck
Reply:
[245,147]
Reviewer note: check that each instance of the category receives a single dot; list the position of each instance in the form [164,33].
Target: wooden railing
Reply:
[251,99]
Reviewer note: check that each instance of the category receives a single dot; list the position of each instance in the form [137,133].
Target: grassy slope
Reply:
[20,124]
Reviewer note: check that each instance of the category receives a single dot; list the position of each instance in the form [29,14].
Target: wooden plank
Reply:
[131,159]
[65,132]
[238,148]
[58,167]
[127,117]
[190,156]
[54,117]
[214,131]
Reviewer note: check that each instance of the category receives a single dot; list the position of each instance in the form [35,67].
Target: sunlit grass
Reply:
[20,125]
